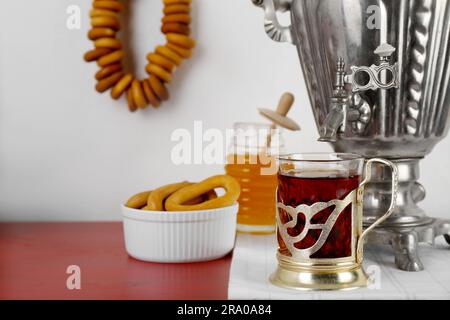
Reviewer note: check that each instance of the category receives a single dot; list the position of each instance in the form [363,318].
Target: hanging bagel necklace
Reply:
[108,52]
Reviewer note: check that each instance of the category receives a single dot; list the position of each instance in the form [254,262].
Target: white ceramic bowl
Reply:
[179,236]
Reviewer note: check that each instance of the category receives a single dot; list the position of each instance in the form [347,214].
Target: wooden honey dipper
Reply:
[279,117]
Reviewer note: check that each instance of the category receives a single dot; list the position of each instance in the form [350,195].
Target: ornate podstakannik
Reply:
[402,123]
[309,212]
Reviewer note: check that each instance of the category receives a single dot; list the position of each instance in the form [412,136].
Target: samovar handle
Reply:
[273,28]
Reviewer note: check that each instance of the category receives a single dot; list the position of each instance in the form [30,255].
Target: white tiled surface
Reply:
[254,260]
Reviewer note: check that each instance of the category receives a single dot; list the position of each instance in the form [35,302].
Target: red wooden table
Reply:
[34,258]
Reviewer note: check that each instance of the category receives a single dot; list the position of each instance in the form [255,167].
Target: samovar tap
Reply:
[340,111]
[343,108]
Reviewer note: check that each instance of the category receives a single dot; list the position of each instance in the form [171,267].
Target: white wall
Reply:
[69,153]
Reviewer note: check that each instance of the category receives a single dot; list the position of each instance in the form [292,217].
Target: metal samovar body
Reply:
[378,78]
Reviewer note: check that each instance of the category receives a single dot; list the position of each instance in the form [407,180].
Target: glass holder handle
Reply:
[360,195]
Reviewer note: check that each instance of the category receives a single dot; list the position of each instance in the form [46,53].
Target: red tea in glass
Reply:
[313,187]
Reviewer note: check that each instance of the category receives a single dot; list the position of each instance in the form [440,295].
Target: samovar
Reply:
[378,78]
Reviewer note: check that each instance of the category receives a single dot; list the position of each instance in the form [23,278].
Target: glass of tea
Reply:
[319,219]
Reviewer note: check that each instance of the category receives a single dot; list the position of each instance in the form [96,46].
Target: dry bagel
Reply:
[131,104]
[107,71]
[121,86]
[175,202]
[97,33]
[174,27]
[138,94]
[151,96]
[108,82]
[96,54]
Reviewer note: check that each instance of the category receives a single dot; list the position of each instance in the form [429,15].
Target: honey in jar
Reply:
[252,161]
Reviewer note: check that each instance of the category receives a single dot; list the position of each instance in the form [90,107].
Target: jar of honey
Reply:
[252,160]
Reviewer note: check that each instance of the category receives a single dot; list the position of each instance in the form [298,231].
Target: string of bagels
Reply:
[109,53]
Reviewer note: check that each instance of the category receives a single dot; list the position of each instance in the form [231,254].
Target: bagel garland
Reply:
[108,52]
[187,196]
